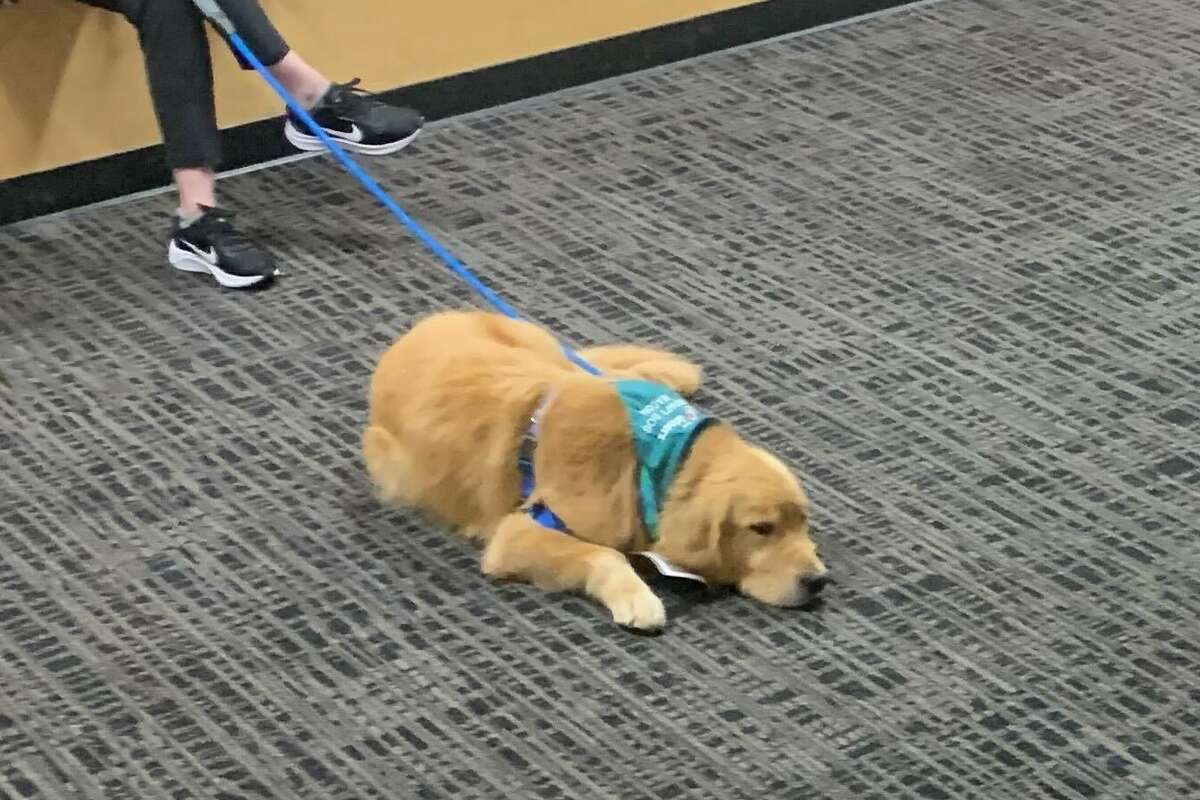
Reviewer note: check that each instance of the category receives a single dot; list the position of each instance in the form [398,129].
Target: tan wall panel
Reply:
[72,86]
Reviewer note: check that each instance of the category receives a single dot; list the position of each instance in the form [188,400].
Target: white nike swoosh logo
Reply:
[210,255]
[355,134]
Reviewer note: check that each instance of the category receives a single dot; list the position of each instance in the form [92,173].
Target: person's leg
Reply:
[179,71]
[304,82]
[360,121]
[197,188]
[268,45]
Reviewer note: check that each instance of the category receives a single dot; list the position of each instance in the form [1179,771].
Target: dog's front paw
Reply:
[635,606]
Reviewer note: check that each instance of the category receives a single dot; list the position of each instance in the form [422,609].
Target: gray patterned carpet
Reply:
[943,261]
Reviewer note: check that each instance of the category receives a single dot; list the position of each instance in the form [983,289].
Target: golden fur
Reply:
[450,402]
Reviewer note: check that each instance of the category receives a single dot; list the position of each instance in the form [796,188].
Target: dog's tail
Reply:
[386,464]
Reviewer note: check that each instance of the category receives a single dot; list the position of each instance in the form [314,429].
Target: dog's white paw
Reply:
[637,607]
[615,583]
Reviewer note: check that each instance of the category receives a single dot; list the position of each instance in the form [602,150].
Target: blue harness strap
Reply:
[664,426]
[541,514]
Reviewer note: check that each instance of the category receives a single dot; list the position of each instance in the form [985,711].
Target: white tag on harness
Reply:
[668,569]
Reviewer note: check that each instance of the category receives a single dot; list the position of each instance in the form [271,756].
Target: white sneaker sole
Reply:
[190,262]
[304,141]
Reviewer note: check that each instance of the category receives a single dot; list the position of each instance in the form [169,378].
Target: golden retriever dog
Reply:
[452,406]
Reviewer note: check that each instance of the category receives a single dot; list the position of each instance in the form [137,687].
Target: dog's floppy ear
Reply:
[692,532]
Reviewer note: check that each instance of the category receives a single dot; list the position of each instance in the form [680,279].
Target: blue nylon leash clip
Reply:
[212,10]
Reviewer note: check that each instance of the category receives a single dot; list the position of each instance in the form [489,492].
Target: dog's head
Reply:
[738,516]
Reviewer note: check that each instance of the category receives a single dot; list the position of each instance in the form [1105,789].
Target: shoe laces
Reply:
[219,230]
[349,97]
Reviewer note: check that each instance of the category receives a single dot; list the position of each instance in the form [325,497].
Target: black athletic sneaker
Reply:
[358,121]
[210,244]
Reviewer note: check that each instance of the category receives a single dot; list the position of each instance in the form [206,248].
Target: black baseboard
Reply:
[104,178]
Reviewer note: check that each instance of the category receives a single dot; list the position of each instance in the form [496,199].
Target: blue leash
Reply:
[218,17]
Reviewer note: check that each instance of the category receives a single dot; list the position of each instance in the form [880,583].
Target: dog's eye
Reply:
[763,528]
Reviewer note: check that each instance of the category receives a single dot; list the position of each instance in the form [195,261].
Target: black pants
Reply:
[179,68]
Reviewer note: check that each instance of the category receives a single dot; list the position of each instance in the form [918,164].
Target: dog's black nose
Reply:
[816,584]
